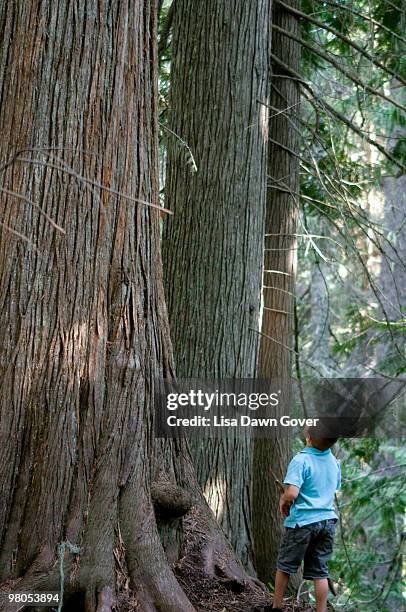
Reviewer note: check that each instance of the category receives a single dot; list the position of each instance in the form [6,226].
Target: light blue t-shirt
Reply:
[318,476]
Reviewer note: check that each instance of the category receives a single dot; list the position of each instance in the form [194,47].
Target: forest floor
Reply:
[208,592]
[218,593]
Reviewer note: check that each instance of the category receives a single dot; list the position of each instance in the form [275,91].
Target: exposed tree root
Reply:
[170,500]
[207,577]
[106,600]
[40,573]
[152,579]
[210,573]
[129,570]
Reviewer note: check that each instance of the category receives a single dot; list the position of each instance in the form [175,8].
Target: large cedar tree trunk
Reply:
[213,246]
[275,355]
[83,320]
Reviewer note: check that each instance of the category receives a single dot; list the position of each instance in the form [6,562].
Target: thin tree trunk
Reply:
[214,243]
[275,356]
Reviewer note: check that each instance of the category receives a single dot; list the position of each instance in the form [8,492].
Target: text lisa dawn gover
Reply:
[242,421]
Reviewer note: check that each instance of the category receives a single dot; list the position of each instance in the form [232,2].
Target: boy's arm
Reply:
[293,481]
[290,494]
[338,476]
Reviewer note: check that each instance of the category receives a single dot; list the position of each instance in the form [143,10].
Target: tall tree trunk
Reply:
[83,319]
[214,243]
[275,355]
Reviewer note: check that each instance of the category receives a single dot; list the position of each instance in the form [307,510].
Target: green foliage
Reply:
[341,188]
[367,562]
[340,172]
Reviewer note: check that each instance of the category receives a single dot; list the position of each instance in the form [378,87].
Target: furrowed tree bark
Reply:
[213,245]
[275,358]
[83,318]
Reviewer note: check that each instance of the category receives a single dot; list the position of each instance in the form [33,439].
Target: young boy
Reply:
[307,504]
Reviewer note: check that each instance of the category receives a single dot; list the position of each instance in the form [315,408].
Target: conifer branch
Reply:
[353,77]
[342,37]
[349,9]
[325,106]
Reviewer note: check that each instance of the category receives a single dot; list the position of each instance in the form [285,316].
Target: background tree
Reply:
[277,338]
[213,245]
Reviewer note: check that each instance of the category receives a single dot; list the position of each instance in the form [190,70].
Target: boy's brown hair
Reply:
[315,434]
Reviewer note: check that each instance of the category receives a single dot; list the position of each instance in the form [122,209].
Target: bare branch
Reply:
[288,348]
[35,205]
[285,312]
[279,112]
[278,289]
[71,172]
[18,234]
[184,143]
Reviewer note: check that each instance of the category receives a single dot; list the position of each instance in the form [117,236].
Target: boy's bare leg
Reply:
[281,582]
[321,588]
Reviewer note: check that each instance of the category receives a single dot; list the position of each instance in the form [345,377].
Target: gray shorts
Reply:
[312,544]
